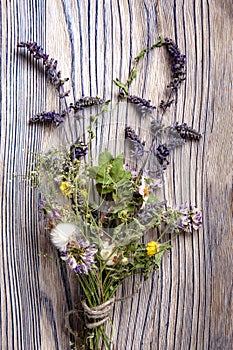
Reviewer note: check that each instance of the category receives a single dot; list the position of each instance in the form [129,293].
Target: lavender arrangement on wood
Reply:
[100,240]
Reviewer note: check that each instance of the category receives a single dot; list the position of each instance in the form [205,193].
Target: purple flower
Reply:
[178,64]
[195,217]
[50,64]
[143,105]
[86,101]
[78,150]
[79,256]
[48,210]
[48,117]
[184,221]
[162,152]
[186,132]
[138,145]
[191,218]
[35,50]
[56,215]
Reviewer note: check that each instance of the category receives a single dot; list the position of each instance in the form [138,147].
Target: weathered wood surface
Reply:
[187,305]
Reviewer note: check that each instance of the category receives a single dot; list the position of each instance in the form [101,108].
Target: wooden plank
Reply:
[187,305]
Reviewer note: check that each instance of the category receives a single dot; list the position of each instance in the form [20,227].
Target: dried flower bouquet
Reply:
[98,213]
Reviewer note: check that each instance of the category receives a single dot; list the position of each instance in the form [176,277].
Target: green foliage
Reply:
[110,174]
[121,86]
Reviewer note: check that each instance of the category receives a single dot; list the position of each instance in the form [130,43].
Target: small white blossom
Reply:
[107,253]
[143,190]
[124,260]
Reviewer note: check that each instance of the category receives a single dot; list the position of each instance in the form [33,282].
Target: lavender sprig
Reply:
[86,101]
[143,106]
[187,132]
[178,64]
[131,134]
[138,145]
[162,153]
[165,104]
[78,150]
[178,71]
[50,64]
[48,117]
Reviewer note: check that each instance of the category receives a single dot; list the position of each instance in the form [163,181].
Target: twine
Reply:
[100,312]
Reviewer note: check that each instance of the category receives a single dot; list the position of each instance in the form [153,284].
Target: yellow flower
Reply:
[152,248]
[66,188]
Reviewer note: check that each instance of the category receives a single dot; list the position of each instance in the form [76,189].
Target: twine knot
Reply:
[100,313]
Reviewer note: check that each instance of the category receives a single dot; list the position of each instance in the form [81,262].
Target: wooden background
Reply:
[187,304]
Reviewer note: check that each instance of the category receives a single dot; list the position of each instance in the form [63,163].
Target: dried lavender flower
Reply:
[36,50]
[138,145]
[48,117]
[78,150]
[50,64]
[178,71]
[143,105]
[178,64]
[162,152]
[164,105]
[187,132]
[131,134]
[87,101]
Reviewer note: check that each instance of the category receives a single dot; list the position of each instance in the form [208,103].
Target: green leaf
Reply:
[105,157]
[109,172]
[118,230]
[93,171]
[124,190]
[121,85]
[117,171]
[104,189]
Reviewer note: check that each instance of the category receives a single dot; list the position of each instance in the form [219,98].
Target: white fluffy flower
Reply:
[63,234]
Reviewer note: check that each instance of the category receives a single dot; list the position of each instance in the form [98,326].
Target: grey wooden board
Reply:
[187,304]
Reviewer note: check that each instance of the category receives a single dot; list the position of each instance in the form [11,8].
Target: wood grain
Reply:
[187,304]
